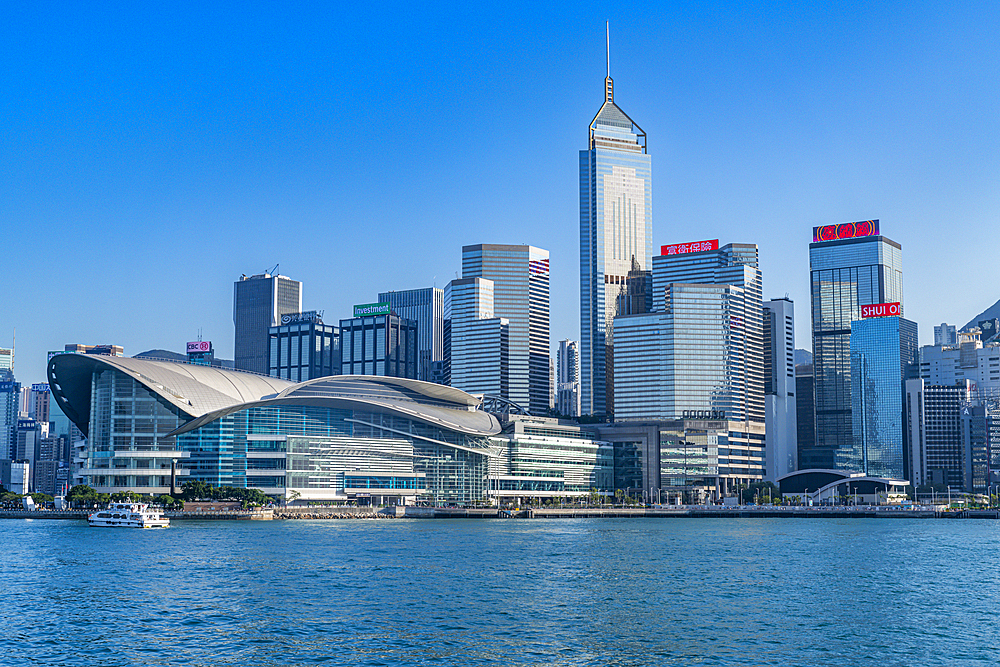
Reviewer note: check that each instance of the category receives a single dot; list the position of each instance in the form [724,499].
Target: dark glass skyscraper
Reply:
[258,303]
[379,345]
[850,266]
[304,349]
[616,218]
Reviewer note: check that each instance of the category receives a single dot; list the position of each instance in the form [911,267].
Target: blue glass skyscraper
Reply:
[882,350]
[616,216]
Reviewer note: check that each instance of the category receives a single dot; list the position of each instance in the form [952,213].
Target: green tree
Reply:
[83,495]
[196,490]
[762,491]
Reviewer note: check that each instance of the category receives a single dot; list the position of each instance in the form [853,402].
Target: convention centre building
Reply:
[151,425]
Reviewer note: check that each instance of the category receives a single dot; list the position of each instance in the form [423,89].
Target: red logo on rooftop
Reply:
[845,230]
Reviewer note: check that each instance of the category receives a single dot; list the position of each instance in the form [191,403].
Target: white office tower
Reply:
[520,275]
[968,360]
[480,345]
[781,426]
[568,381]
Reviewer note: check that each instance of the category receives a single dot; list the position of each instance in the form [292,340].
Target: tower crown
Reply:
[614,119]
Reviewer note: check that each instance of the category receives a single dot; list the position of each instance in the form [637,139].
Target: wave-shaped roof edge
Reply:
[192,389]
[205,393]
[437,392]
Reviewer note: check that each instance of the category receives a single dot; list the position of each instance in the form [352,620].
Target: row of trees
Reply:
[84,496]
[247,498]
[11,500]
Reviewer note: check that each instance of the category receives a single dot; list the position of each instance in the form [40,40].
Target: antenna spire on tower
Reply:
[607,29]
[609,85]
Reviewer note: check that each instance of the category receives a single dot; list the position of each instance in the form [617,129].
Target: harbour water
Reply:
[545,592]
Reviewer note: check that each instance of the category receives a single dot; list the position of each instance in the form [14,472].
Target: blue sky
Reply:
[149,155]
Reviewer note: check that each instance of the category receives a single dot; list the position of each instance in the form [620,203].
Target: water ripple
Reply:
[557,592]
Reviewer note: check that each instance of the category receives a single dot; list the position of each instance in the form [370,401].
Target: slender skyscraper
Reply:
[616,216]
[779,387]
[568,382]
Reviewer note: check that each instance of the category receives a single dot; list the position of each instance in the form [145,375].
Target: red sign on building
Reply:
[845,230]
[881,310]
[683,248]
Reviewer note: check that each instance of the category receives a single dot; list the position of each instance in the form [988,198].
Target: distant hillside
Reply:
[990,313]
[803,357]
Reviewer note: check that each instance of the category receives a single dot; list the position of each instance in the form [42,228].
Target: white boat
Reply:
[128,515]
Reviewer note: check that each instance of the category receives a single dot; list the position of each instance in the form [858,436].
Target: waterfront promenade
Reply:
[683,511]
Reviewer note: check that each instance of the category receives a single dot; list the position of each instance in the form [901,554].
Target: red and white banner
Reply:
[882,310]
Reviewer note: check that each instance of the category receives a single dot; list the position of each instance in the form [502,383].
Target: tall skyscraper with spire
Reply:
[616,216]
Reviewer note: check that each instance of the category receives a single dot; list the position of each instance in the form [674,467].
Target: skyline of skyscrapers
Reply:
[616,225]
[683,335]
[259,301]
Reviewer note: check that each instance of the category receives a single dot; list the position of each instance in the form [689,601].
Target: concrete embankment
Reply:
[699,512]
[259,515]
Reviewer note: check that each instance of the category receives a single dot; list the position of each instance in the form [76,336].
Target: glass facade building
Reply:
[426,308]
[701,350]
[379,345]
[335,438]
[845,275]
[301,351]
[10,401]
[128,444]
[520,275]
[883,351]
[258,303]
[616,218]
[546,458]
[568,379]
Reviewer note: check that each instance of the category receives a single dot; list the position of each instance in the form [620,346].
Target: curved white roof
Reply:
[206,394]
